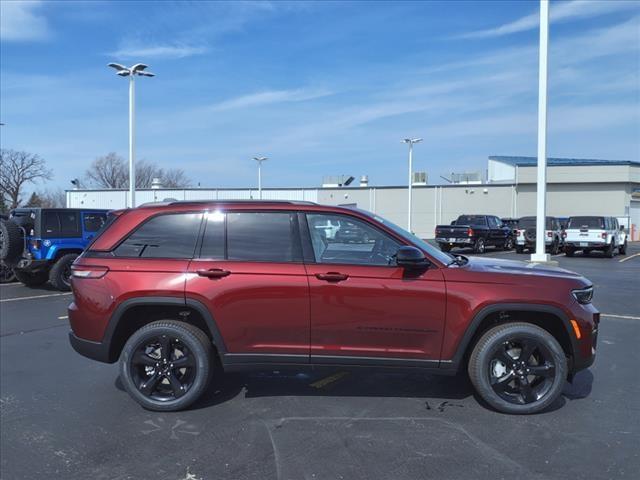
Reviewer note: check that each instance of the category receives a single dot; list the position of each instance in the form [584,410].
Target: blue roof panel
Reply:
[560,162]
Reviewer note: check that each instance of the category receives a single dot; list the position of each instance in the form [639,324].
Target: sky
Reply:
[326,88]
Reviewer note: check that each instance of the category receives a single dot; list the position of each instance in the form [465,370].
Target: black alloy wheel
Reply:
[6,274]
[518,368]
[479,246]
[508,243]
[521,371]
[167,365]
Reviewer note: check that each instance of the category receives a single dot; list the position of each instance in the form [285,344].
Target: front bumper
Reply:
[584,352]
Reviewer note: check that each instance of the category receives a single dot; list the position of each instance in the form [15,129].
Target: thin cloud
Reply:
[560,12]
[159,51]
[19,22]
[269,97]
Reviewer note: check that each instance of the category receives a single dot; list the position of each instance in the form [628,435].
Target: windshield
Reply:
[430,249]
[586,222]
[472,220]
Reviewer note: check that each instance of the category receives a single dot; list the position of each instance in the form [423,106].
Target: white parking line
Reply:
[628,258]
[35,296]
[10,284]
[626,317]
[63,317]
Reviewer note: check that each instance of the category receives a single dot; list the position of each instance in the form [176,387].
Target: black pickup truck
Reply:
[475,231]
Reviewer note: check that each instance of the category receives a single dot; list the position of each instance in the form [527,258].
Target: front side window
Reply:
[163,236]
[94,221]
[343,239]
[262,237]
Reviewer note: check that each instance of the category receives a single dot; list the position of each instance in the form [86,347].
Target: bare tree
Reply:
[175,178]
[18,169]
[109,171]
[53,198]
[112,171]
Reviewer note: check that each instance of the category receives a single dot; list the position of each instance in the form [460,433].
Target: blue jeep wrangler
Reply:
[40,244]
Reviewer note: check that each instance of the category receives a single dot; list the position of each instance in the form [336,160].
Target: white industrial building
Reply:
[575,187]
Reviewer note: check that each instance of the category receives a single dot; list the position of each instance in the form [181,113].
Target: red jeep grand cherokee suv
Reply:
[170,288]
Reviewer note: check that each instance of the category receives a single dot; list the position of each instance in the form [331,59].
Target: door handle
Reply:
[332,276]
[213,273]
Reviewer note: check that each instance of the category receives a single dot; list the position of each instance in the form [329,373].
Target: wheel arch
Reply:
[544,316]
[134,313]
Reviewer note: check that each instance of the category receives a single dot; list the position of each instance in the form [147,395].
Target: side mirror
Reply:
[411,258]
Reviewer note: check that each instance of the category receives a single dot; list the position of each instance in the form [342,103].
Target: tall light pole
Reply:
[260,160]
[410,142]
[131,72]
[541,199]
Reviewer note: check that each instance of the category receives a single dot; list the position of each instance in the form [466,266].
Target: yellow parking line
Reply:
[629,257]
[330,379]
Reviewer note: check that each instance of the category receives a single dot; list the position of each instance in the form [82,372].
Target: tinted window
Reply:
[94,221]
[586,222]
[343,239]
[530,223]
[472,220]
[261,237]
[494,222]
[213,241]
[61,223]
[164,236]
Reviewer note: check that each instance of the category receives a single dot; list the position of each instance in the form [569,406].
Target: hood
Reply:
[515,267]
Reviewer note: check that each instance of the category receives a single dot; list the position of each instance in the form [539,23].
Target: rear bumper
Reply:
[578,245]
[31,265]
[94,350]
[455,241]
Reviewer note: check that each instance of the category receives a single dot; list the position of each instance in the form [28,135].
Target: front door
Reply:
[249,274]
[364,308]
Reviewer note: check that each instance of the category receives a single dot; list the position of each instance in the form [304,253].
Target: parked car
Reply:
[40,244]
[475,231]
[526,237]
[590,233]
[511,223]
[171,290]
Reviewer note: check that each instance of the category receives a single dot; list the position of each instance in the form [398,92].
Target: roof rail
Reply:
[206,202]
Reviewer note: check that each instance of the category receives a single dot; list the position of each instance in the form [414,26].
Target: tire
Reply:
[32,279]
[569,251]
[622,249]
[610,252]
[555,247]
[11,242]
[60,273]
[137,367]
[508,243]
[479,246]
[523,392]
[519,249]
[6,274]
[445,248]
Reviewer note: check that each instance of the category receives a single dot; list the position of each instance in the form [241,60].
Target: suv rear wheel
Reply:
[167,365]
[518,368]
[31,279]
[60,273]
[622,249]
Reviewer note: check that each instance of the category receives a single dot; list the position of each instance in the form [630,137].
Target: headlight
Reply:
[583,295]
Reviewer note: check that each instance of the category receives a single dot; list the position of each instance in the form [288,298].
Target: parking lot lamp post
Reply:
[260,160]
[410,141]
[541,200]
[131,72]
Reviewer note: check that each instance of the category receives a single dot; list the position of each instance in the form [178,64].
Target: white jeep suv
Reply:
[595,233]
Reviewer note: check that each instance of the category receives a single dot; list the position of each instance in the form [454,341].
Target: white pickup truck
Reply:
[594,233]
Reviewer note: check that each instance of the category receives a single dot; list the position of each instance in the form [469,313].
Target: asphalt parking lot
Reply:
[64,416]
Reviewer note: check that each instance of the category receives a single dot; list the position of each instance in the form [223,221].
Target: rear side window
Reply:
[61,224]
[596,223]
[94,221]
[262,237]
[163,236]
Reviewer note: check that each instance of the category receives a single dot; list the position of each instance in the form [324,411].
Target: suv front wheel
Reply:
[518,368]
[167,365]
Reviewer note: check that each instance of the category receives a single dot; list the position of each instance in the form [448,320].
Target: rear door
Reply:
[497,235]
[249,274]
[364,308]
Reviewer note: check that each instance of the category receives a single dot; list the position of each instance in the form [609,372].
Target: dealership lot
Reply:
[64,416]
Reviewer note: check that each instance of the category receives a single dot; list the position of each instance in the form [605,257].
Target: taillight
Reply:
[88,271]
[564,234]
[549,234]
[604,235]
[470,232]
[35,244]
[519,233]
